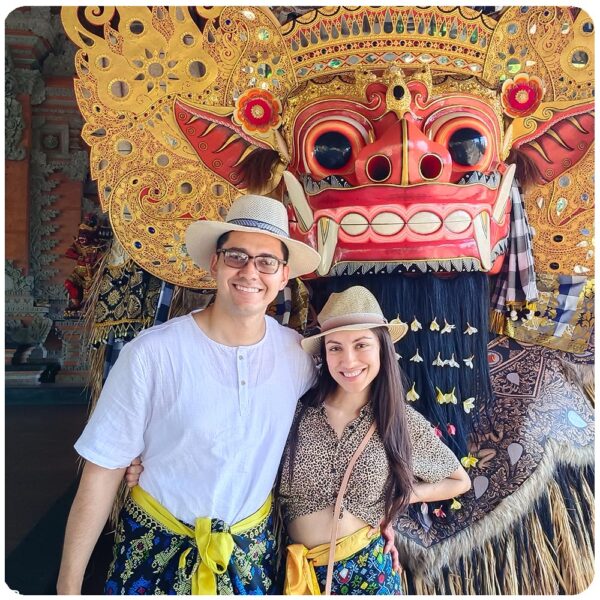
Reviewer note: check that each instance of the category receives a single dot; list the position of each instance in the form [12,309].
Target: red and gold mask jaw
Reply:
[389,174]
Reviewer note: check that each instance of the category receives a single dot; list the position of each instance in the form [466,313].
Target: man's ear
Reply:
[286,276]
[213,264]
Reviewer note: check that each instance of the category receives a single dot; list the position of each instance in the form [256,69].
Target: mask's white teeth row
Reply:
[422,222]
[389,223]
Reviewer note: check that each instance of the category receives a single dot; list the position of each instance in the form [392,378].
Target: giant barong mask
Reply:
[384,172]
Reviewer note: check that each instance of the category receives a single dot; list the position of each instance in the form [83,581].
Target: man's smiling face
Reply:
[246,291]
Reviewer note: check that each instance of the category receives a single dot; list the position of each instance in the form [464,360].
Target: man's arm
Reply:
[89,513]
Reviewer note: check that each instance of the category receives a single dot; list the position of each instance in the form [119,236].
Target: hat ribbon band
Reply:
[260,225]
[354,319]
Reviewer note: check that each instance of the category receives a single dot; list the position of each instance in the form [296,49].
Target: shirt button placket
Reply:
[242,369]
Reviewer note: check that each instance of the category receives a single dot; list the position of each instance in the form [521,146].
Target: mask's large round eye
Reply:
[469,138]
[332,150]
[467,146]
[332,145]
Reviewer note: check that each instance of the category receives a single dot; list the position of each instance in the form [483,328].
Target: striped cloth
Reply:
[569,292]
[281,307]
[516,284]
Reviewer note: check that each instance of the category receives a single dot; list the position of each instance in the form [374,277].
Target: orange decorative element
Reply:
[257,111]
[522,95]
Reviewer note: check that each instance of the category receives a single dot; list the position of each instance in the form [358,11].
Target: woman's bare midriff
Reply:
[315,529]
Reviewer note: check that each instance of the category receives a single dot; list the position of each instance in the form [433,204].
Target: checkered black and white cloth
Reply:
[516,284]
[569,291]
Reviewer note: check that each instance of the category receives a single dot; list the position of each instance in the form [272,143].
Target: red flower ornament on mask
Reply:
[257,111]
[522,95]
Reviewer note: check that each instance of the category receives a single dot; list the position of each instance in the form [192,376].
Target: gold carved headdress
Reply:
[133,63]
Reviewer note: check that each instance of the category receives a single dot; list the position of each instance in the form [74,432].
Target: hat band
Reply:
[353,319]
[260,225]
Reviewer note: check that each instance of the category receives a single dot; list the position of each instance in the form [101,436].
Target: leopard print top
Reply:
[322,458]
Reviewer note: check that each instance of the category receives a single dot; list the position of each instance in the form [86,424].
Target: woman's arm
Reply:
[457,483]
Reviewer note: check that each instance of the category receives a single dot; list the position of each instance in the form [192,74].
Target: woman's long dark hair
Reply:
[386,395]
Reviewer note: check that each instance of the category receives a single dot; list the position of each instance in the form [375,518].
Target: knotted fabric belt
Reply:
[300,576]
[214,547]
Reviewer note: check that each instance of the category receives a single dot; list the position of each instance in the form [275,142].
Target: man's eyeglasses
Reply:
[264,263]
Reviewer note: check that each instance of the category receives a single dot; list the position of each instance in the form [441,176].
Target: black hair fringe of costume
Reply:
[457,300]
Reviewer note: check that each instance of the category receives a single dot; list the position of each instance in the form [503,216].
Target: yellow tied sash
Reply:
[300,576]
[214,548]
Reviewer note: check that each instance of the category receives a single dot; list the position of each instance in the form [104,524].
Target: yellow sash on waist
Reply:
[214,548]
[300,576]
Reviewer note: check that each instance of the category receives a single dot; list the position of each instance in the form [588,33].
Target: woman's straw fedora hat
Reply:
[354,309]
[253,214]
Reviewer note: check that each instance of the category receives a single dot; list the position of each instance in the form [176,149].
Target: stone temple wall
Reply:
[48,191]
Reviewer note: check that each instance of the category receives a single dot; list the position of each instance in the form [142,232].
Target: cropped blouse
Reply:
[322,458]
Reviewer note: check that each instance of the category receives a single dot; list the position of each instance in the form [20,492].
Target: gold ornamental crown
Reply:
[332,39]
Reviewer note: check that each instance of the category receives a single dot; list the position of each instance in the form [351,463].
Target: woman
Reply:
[403,462]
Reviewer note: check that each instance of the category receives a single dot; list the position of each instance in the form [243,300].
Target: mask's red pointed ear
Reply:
[228,149]
[554,138]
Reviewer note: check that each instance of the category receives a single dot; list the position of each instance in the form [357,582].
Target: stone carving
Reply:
[33,334]
[31,82]
[13,114]
[40,227]
[37,19]
[78,166]
[62,61]
[15,282]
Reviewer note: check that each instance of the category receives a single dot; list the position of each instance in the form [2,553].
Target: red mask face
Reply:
[415,189]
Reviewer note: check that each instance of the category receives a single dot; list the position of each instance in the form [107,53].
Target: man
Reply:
[207,400]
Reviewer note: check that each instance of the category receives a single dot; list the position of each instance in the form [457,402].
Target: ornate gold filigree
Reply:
[562,214]
[133,63]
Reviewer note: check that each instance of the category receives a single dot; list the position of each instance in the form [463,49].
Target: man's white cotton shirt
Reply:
[210,421]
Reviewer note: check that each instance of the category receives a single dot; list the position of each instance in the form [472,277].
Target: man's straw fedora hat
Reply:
[253,214]
[354,309]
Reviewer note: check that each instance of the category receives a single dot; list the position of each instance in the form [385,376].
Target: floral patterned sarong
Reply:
[149,558]
[368,571]
[360,568]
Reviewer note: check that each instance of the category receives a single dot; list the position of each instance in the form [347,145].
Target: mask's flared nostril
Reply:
[379,168]
[430,166]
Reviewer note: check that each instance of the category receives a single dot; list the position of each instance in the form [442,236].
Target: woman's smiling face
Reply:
[353,358]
